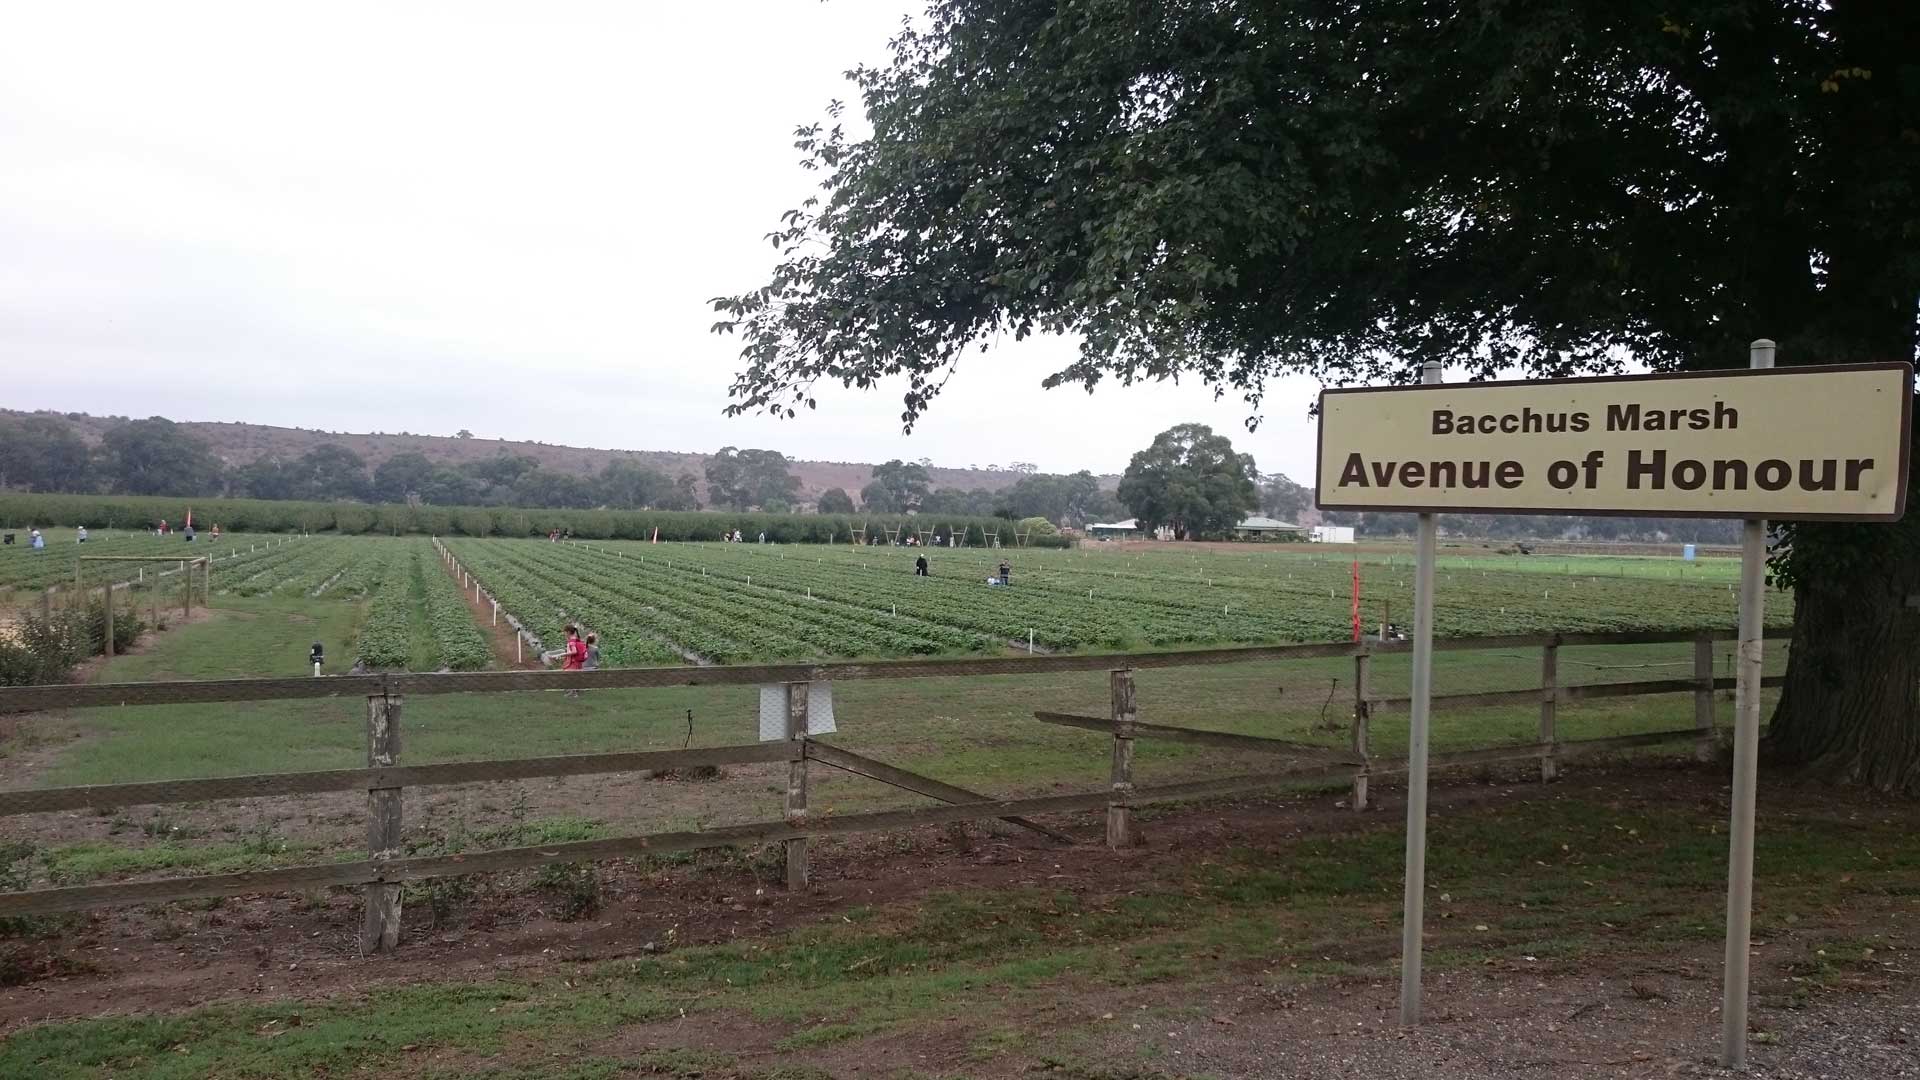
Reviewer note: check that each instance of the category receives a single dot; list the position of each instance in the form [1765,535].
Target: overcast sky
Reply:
[504,217]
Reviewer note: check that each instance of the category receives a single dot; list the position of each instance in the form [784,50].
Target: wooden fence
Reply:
[384,870]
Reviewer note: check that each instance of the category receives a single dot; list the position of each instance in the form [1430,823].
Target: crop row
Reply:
[385,641]
[460,645]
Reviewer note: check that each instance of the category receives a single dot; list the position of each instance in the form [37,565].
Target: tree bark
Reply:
[1849,711]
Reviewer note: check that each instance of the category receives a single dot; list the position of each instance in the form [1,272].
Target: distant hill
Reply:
[238,444]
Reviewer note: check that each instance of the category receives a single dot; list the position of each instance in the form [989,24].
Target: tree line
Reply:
[157,457]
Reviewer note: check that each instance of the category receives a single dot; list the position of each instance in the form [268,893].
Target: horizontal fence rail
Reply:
[1565,694]
[209,691]
[109,796]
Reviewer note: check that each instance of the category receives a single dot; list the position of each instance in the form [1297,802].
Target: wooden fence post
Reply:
[382,930]
[1703,697]
[1119,816]
[1549,702]
[1362,663]
[46,603]
[107,646]
[186,598]
[796,849]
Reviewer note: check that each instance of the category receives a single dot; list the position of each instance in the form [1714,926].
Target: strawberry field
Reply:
[663,603]
[22,568]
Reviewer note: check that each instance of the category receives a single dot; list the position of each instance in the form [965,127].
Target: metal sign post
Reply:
[1413,916]
[1746,757]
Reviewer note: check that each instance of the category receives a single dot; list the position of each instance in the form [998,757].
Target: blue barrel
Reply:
[1686,552]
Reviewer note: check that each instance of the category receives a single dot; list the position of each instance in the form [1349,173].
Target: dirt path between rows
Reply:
[500,635]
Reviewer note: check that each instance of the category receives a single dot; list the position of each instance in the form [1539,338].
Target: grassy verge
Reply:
[1586,878]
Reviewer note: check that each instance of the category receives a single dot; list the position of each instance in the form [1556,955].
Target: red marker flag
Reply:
[1356,599]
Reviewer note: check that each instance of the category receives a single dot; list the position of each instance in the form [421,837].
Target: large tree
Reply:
[1282,498]
[896,488]
[156,456]
[1192,481]
[404,477]
[836,501]
[1243,188]
[1071,499]
[629,485]
[744,479]
[331,471]
[42,453]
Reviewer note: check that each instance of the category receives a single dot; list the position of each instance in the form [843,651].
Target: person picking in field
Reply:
[575,657]
[1006,573]
[592,661]
[920,567]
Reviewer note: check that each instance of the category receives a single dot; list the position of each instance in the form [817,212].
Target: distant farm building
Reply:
[1114,530]
[1332,534]
[1266,528]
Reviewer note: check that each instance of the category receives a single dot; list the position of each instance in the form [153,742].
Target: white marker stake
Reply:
[1413,907]
[1746,756]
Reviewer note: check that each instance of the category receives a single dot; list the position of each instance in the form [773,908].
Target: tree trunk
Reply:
[1850,709]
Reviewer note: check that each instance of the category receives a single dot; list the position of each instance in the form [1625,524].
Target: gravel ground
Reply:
[1496,1025]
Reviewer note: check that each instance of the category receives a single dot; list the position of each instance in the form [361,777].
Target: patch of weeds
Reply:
[588,1069]
[77,863]
[679,1062]
[995,1044]
[163,826]
[20,965]
[790,1072]
[166,927]
[574,887]
[553,830]
[63,925]
[828,1034]
[442,897]
[1829,964]
[265,842]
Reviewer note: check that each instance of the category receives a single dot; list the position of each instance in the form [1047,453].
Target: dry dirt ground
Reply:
[1633,1012]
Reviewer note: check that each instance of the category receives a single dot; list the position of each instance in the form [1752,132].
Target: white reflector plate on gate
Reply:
[773,711]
